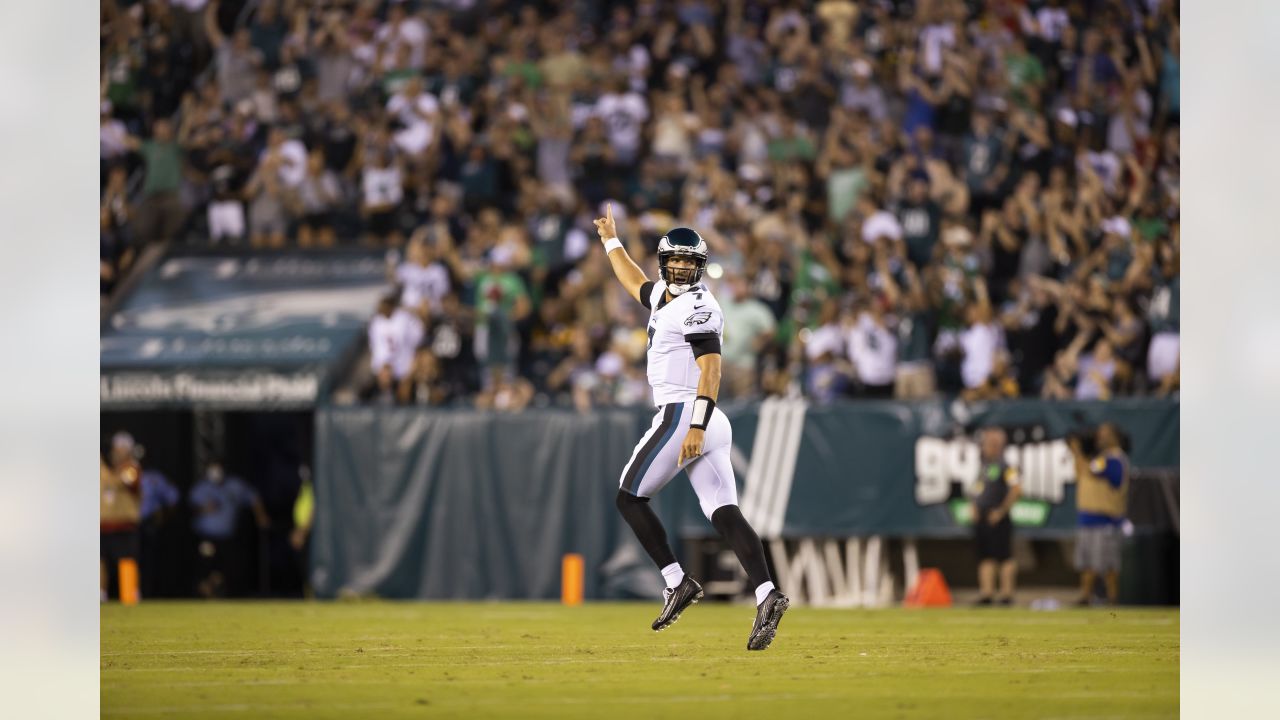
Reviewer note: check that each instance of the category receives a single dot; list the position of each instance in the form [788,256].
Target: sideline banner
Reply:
[466,504]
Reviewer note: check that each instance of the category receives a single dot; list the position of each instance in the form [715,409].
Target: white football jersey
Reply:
[693,316]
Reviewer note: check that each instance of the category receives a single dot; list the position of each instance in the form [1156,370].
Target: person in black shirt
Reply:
[921,218]
[451,340]
[339,139]
[995,492]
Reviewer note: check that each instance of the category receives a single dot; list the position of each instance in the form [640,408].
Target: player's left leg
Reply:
[712,479]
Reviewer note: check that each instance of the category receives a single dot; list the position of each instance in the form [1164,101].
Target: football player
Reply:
[688,432]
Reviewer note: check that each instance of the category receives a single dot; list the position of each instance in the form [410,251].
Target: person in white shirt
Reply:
[877,222]
[423,279]
[1047,22]
[684,365]
[873,348]
[624,112]
[1096,374]
[403,30]
[979,341]
[113,136]
[394,335]
[826,350]
[418,111]
[382,191]
[292,154]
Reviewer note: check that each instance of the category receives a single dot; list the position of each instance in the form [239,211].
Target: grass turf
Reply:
[532,660]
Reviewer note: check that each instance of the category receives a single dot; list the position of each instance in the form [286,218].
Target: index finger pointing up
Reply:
[608,211]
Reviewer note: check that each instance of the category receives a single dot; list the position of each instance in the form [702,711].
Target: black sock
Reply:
[648,528]
[728,521]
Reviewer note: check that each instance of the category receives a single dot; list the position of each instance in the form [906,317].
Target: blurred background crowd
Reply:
[902,198]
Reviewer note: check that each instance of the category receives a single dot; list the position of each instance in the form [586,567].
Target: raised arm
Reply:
[211,29]
[626,270]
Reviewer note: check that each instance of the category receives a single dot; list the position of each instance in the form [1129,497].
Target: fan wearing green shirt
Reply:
[160,214]
[914,377]
[748,327]
[502,300]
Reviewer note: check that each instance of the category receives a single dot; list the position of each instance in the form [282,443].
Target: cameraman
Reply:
[1102,487]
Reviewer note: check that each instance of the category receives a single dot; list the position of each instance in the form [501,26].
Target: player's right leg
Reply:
[712,479]
[652,465]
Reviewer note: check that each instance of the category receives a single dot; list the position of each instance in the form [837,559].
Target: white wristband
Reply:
[611,244]
[701,416]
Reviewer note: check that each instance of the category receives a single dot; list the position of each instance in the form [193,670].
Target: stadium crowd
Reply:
[901,198]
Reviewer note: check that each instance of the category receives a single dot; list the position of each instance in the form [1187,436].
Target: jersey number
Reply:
[651,331]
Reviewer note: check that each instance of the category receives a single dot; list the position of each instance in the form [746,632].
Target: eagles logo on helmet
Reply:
[681,242]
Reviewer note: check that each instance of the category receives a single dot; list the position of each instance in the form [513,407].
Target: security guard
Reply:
[996,491]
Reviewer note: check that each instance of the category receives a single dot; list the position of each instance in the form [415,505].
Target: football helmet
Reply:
[686,243]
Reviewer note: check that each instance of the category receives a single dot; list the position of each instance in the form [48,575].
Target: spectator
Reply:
[394,335]
[826,351]
[562,66]
[862,94]
[113,139]
[236,60]
[1097,373]
[1102,487]
[748,329]
[217,501]
[877,224]
[418,113]
[161,213]
[451,339]
[502,301]
[289,155]
[319,194]
[873,348]
[623,111]
[1001,384]
[115,242]
[919,217]
[1163,353]
[554,128]
[424,385]
[225,211]
[1028,318]
[914,378]
[997,489]
[267,32]
[980,342]
[422,277]
[271,205]
[1052,135]
[984,164]
[382,188]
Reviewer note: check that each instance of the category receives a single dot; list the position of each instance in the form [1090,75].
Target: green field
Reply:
[527,660]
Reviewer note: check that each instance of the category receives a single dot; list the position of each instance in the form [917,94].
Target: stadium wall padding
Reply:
[461,504]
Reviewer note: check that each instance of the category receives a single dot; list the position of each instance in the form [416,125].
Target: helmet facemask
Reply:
[681,279]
